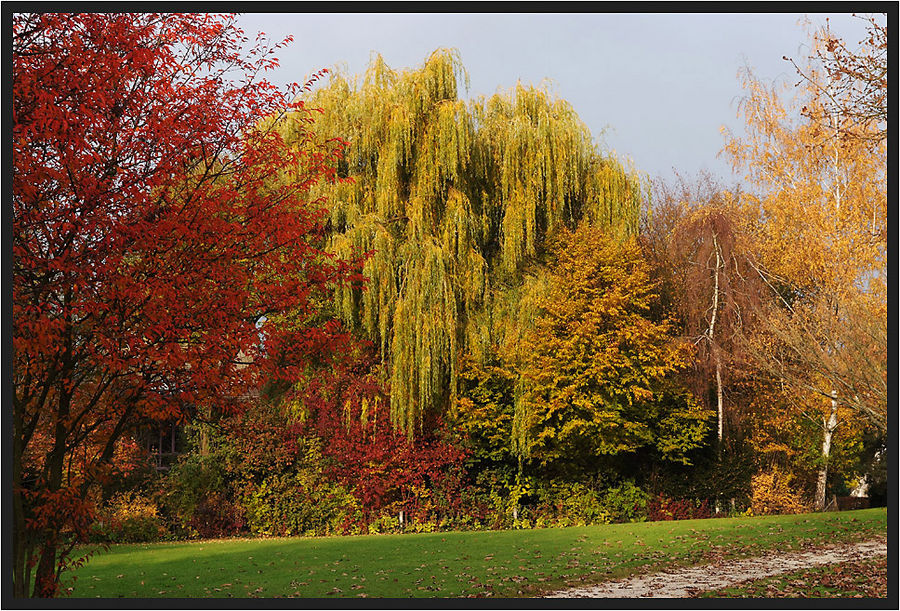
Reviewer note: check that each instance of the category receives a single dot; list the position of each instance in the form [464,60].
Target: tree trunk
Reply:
[204,440]
[710,334]
[20,539]
[721,413]
[719,400]
[46,578]
[829,424]
[205,415]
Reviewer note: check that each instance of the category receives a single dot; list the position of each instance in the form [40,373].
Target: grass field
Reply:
[451,564]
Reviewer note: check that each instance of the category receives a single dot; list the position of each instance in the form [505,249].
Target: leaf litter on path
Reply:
[682,583]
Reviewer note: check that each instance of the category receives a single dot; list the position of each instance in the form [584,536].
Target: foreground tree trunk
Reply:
[21,547]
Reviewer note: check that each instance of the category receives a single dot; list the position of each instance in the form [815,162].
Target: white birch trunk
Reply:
[829,424]
[710,333]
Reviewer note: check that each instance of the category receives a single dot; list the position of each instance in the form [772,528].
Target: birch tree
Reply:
[820,187]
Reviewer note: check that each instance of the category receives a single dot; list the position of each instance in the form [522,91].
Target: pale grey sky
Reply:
[653,87]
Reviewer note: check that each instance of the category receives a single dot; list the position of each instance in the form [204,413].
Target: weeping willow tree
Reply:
[453,201]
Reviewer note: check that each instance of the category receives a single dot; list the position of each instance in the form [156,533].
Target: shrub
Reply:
[128,517]
[582,505]
[301,504]
[772,493]
[563,503]
[216,516]
[194,487]
[661,508]
[385,523]
[625,503]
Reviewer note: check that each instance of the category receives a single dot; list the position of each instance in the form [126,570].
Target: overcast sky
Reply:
[655,88]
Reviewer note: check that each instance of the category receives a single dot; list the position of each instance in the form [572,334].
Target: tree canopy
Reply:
[452,200]
[150,239]
[597,372]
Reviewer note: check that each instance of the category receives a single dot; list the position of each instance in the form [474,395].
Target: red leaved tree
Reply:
[153,229]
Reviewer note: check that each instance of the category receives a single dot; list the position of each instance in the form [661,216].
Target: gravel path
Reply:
[682,583]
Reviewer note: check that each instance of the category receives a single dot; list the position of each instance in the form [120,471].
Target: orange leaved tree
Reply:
[598,376]
[817,171]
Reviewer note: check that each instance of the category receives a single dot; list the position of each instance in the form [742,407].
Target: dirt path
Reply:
[682,583]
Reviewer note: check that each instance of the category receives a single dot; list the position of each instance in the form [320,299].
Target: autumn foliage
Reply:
[348,409]
[598,372]
[401,301]
[150,239]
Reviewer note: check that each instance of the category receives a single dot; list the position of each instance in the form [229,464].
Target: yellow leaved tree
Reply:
[452,200]
[818,226]
[598,372]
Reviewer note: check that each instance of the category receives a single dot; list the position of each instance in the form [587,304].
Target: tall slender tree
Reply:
[698,242]
[819,184]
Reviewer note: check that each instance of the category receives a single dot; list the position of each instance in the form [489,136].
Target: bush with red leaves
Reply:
[662,508]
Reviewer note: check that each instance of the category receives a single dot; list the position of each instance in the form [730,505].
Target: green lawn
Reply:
[450,564]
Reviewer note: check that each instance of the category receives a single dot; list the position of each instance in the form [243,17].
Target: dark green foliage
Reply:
[184,490]
[483,415]
[562,503]
[625,503]
[722,479]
